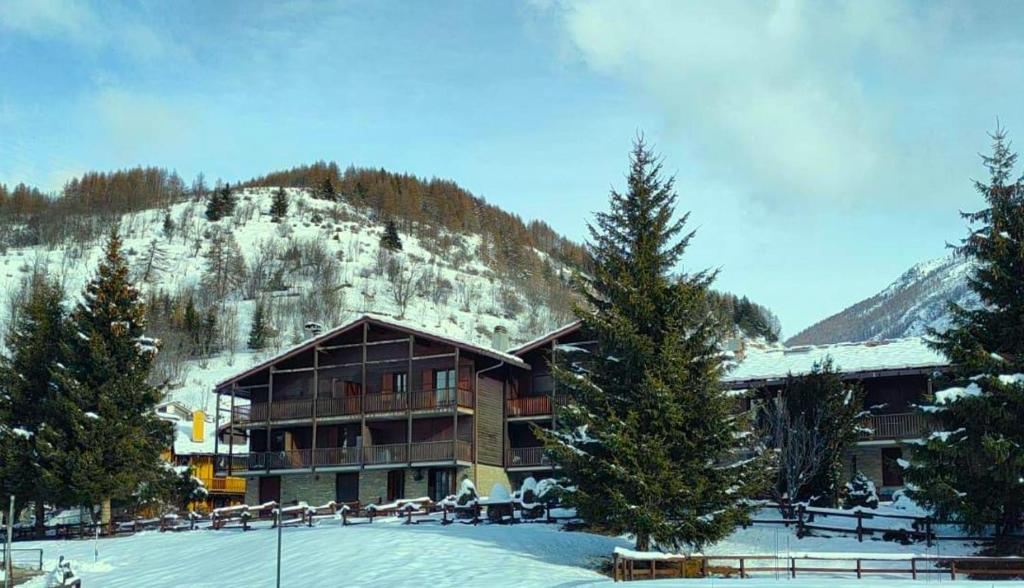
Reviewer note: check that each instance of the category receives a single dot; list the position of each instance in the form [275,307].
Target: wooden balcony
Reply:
[527,457]
[526,406]
[906,425]
[371,455]
[225,485]
[443,399]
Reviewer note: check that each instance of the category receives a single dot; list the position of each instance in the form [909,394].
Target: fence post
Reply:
[913,568]
[792,567]
[952,570]
[928,530]
[800,530]
[615,567]
[743,573]
[860,526]
[858,569]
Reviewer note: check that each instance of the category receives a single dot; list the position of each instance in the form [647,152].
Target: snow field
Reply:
[388,553]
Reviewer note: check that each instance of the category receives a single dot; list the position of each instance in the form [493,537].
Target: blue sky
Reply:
[822,147]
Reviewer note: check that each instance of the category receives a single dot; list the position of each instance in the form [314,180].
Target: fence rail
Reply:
[640,566]
[24,558]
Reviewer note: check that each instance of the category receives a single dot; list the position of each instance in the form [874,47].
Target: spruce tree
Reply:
[259,331]
[649,439]
[34,410]
[120,442]
[971,471]
[327,191]
[279,206]
[389,239]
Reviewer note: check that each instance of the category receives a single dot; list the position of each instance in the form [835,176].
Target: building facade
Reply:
[376,410]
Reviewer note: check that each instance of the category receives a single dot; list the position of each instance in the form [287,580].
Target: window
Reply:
[444,385]
[400,382]
[892,473]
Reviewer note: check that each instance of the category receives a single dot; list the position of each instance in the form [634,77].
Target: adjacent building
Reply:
[895,375]
[194,445]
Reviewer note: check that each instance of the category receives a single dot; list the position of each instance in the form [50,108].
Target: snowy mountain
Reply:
[912,304]
[323,263]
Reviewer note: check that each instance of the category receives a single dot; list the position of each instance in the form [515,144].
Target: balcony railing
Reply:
[533,405]
[229,485]
[906,425]
[527,456]
[328,407]
[394,453]
[443,399]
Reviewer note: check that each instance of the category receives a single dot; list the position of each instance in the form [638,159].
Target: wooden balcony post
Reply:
[270,409]
[455,410]
[362,390]
[231,429]
[313,409]
[216,430]
[409,389]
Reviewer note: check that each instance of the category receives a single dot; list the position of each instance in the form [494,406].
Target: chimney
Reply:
[499,340]
[198,424]
[314,329]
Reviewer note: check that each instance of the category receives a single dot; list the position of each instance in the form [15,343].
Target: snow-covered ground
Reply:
[388,553]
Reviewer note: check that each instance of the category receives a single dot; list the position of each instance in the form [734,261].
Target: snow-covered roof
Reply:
[771,363]
[380,320]
[534,343]
[184,445]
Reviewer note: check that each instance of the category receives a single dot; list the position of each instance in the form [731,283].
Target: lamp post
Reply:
[279,530]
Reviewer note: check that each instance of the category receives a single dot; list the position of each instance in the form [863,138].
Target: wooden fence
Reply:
[640,566]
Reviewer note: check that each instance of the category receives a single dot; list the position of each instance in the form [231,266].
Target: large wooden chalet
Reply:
[376,410]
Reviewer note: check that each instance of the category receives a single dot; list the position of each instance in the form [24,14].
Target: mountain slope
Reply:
[909,306]
[322,263]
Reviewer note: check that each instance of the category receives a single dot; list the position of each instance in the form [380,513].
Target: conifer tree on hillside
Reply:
[972,473]
[649,438]
[389,239]
[33,410]
[327,191]
[120,441]
[220,203]
[279,206]
[259,331]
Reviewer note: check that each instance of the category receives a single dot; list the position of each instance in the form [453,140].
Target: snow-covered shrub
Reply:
[860,492]
[467,493]
[528,491]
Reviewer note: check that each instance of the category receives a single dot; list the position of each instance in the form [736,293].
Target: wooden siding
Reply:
[490,421]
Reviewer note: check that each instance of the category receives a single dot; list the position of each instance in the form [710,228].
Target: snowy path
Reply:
[390,554]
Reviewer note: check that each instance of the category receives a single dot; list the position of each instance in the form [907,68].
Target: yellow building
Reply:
[193,445]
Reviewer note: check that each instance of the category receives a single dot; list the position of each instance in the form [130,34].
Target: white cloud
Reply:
[81,24]
[47,18]
[140,125]
[785,93]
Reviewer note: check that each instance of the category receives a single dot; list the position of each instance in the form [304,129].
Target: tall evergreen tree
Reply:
[650,438]
[972,473]
[120,443]
[389,239]
[33,409]
[279,206]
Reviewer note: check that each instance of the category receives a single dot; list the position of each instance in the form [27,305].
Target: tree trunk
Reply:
[105,513]
[643,542]
[40,509]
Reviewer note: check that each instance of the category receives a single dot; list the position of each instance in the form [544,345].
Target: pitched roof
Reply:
[545,338]
[380,321]
[774,363]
